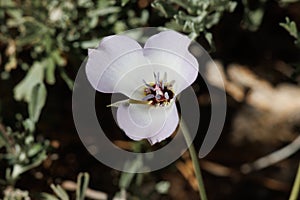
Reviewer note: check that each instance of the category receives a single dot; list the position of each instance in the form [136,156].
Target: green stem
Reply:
[195,160]
[296,186]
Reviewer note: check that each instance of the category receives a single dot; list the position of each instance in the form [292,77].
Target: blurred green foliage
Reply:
[292,29]
[61,194]
[21,152]
[54,33]
[194,17]
[41,39]
[16,194]
[253,14]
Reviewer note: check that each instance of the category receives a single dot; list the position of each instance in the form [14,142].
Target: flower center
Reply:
[160,92]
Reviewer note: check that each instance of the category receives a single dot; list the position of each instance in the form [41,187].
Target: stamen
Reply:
[164,81]
[156,78]
[149,86]
[149,96]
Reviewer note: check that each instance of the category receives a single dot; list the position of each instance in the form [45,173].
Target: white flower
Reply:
[151,76]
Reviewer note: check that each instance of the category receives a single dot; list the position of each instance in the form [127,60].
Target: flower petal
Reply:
[144,121]
[120,64]
[168,129]
[170,48]
[131,82]
[114,57]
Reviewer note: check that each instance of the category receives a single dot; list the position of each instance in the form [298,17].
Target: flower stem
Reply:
[295,190]
[195,160]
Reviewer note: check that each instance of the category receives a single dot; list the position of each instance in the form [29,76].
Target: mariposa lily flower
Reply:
[150,76]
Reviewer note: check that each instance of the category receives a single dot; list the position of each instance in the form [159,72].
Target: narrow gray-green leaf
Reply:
[82,184]
[35,75]
[45,196]
[50,71]
[124,2]
[61,193]
[66,78]
[126,178]
[291,27]
[37,101]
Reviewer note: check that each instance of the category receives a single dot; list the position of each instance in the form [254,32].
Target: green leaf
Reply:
[159,6]
[295,190]
[59,60]
[291,27]
[209,37]
[232,6]
[89,44]
[253,18]
[50,71]
[124,2]
[18,169]
[23,90]
[29,125]
[60,192]
[15,13]
[66,78]
[85,3]
[82,184]
[35,149]
[104,11]
[16,194]
[126,178]
[45,196]
[37,101]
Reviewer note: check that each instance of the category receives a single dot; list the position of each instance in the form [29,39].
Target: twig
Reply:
[218,169]
[272,158]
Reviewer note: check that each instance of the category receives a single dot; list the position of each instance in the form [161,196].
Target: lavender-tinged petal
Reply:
[142,121]
[174,42]
[169,49]
[115,57]
[168,129]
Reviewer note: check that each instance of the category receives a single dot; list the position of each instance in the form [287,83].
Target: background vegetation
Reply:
[43,43]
